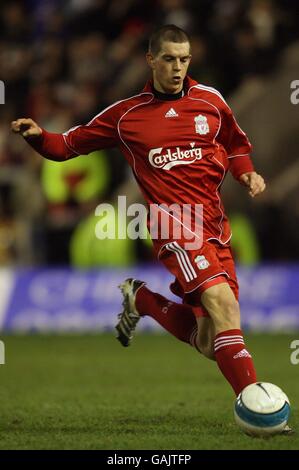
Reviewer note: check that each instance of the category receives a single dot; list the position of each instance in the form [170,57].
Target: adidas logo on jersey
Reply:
[171,113]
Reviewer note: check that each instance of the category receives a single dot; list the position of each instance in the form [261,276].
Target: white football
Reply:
[262,409]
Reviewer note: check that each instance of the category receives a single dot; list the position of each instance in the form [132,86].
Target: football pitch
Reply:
[88,392]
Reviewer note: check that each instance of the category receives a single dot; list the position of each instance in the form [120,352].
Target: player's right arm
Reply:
[49,145]
[26,127]
[100,132]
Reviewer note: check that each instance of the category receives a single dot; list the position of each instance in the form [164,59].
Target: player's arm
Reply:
[254,182]
[26,127]
[49,145]
[99,133]
[238,149]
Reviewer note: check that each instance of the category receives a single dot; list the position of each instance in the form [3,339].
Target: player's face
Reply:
[170,66]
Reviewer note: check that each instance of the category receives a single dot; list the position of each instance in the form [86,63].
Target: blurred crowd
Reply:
[64,61]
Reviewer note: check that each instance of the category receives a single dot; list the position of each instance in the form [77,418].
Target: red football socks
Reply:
[234,360]
[177,319]
[232,357]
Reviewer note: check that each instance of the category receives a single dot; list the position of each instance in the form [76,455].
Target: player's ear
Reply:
[150,60]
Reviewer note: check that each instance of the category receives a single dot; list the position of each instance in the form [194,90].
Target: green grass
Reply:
[87,392]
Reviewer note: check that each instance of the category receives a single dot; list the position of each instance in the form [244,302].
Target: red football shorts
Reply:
[197,270]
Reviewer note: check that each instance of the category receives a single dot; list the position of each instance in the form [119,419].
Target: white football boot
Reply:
[129,317]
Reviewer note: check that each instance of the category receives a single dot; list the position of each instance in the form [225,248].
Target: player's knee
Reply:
[229,318]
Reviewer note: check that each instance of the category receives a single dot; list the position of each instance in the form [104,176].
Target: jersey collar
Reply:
[168,96]
[188,83]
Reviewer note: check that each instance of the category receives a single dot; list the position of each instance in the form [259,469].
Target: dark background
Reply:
[63,62]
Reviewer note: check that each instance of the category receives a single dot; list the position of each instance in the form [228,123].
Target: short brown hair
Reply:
[170,33]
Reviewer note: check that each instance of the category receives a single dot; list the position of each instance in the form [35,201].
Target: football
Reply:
[262,409]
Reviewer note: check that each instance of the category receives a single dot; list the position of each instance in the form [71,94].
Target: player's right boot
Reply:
[129,317]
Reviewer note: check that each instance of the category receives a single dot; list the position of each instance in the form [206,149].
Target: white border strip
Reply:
[7,282]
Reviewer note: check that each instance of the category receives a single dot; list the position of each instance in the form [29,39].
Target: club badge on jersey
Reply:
[201,125]
[202,262]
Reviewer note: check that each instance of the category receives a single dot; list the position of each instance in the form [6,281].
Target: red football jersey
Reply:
[179,150]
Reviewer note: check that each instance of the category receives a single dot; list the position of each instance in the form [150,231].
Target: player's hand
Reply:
[26,127]
[254,182]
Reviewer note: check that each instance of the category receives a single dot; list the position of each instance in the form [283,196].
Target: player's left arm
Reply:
[238,148]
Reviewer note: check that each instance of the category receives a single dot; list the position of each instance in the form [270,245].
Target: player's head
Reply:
[169,57]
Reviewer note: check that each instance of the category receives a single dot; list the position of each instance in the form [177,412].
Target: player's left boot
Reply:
[129,317]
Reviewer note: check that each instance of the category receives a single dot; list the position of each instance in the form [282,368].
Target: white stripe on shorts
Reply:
[184,253]
[182,262]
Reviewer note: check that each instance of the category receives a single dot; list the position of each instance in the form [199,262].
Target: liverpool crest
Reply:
[202,262]
[201,125]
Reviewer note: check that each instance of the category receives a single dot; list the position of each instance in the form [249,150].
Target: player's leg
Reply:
[223,339]
[188,324]
[204,338]
[177,319]
[222,306]
[233,359]
[185,321]
[205,331]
